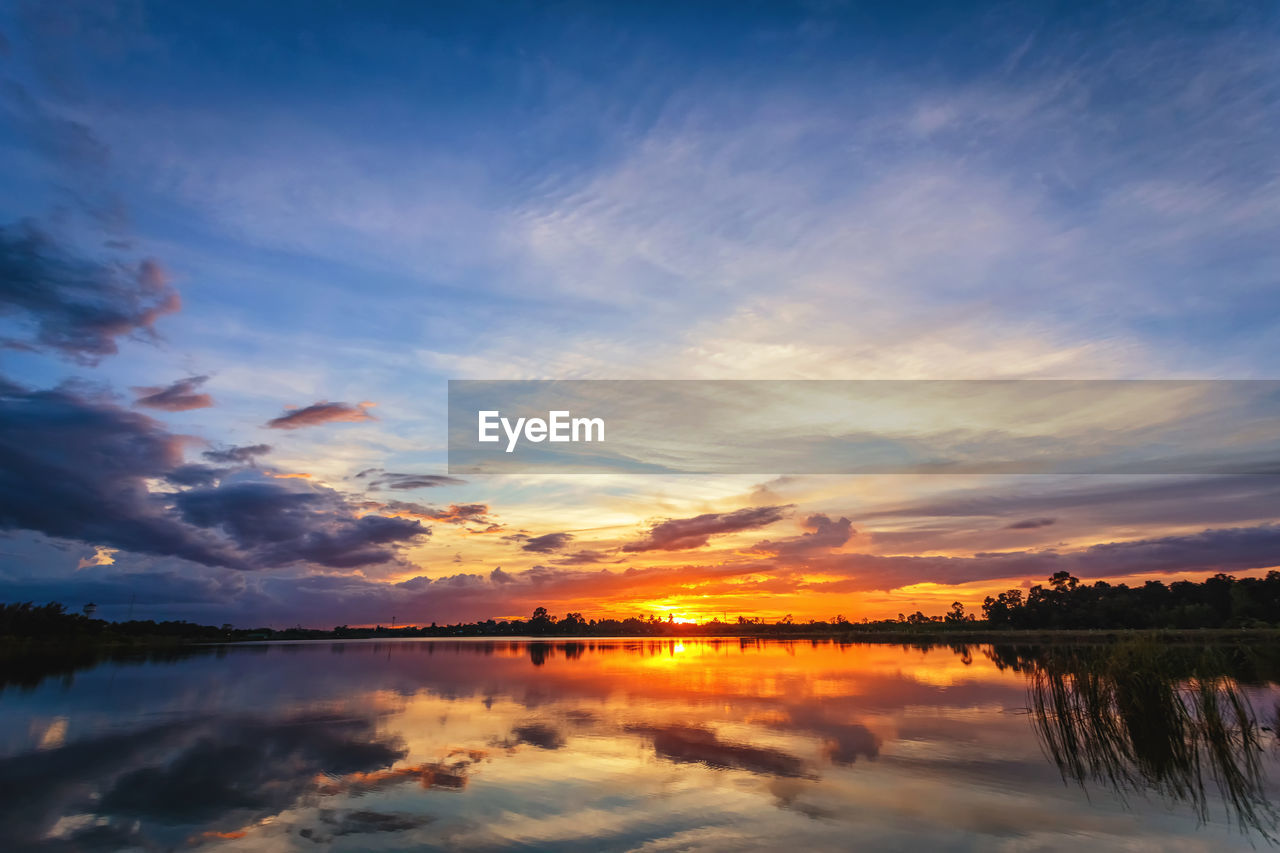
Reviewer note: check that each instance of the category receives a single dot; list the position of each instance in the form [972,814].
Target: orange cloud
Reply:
[322,412]
[428,775]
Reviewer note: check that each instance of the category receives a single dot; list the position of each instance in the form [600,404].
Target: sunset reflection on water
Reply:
[576,745]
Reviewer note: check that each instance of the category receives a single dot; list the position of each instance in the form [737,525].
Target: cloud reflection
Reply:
[585,745]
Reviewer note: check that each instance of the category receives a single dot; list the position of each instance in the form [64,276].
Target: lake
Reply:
[638,744]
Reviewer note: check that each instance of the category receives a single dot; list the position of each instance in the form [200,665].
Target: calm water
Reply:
[641,745]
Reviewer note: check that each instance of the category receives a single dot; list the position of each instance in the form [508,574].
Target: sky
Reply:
[245,247]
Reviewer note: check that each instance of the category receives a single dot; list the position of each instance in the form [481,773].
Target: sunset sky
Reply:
[243,247]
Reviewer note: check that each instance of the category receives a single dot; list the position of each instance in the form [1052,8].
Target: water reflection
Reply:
[1138,716]
[635,745]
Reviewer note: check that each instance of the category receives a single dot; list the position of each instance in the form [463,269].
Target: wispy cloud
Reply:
[377,478]
[181,396]
[547,543]
[678,534]
[321,413]
[237,455]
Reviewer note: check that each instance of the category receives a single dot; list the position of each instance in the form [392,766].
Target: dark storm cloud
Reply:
[75,306]
[380,479]
[821,532]
[79,468]
[194,475]
[321,413]
[280,525]
[678,534]
[106,586]
[181,396]
[547,543]
[1030,524]
[1210,550]
[238,455]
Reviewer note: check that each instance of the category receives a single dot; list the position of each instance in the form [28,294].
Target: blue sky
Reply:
[359,202]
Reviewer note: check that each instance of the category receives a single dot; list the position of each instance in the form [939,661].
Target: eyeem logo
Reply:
[559,426]
[1064,427]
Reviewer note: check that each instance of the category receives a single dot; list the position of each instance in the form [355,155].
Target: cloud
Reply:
[181,396]
[146,787]
[431,774]
[1236,549]
[102,556]
[678,534]
[194,475]
[822,532]
[843,742]
[237,455]
[78,469]
[77,155]
[584,557]
[547,543]
[74,306]
[539,735]
[321,413]
[278,526]
[81,468]
[697,745]
[361,822]
[249,766]
[223,590]
[219,595]
[380,479]
[452,514]
[1030,524]
[1104,502]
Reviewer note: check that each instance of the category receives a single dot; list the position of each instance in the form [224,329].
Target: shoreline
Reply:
[38,645]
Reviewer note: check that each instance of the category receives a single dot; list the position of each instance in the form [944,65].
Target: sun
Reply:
[668,612]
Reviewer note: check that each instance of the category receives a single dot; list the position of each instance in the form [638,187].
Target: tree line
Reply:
[1221,601]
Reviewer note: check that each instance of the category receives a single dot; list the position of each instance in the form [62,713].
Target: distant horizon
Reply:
[1250,602]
